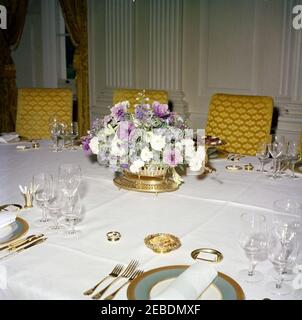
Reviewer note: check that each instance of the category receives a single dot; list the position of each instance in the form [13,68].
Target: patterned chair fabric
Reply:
[241,121]
[131,95]
[36,106]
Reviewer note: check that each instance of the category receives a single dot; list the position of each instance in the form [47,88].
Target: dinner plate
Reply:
[152,282]
[13,231]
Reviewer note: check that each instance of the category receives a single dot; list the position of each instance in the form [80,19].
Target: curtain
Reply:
[9,40]
[75,15]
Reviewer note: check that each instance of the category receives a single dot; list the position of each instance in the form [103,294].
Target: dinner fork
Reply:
[133,276]
[126,274]
[114,273]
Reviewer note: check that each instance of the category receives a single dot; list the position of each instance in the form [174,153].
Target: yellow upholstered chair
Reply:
[36,106]
[241,121]
[131,95]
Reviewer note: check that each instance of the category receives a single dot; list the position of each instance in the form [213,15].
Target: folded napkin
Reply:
[9,137]
[190,284]
[6,218]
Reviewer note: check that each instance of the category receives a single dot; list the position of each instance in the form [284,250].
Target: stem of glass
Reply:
[251,271]
[293,170]
[261,166]
[280,278]
[44,214]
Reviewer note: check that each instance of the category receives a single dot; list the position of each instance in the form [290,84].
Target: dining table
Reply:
[205,212]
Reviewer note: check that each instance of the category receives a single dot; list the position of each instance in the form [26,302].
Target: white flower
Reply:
[201,152]
[195,163]
[188,143]
[94,145]
[116,148]
[109,130]
[158,142]
[136,166]
[146,154]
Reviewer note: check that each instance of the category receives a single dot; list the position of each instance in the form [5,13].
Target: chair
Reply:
[131,94]
[36,106]
[241,121]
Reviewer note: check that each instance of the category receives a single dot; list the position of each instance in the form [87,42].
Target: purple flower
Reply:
[106,120]
[126,130]
[160,110]
[140,112]
[85,145]
[172,157]
[119,111]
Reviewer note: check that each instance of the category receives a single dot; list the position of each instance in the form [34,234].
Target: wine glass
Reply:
[73,215]
[275,149]
[293,156]
[70,175]
[55,205]
[253,240]
[72,131]
[262,154]
[283,248]
[57,132]
[43,183]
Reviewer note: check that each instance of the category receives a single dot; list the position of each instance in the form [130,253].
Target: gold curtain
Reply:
[9,40]
[75,15]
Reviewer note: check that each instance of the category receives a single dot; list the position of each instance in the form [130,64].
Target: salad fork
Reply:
[114,273]
[133,276]
[126,274]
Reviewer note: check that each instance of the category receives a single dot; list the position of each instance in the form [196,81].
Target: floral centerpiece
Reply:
[151,141]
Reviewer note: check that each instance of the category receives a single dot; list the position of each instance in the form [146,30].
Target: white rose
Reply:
[158,142]
[201,152]
[94,145]
[146,154]
[136,165]
[195,163]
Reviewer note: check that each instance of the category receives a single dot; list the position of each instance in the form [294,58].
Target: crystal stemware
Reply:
[283,248]
[43,183]
[72,132]
[57,133]
[73,215]
[253,240]
[293,156]
[55,206]
[70,175]
[275,149]
[262,154]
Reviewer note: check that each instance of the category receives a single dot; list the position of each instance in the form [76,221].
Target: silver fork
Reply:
[126,274]
[114,273]
[134,275]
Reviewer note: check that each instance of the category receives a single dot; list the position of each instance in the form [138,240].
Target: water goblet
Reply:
[43,183]
[55,205]
[72,132]
[70,175]
[73,215]
[293,156]
[253,239]
[282,252]
[262,154]
[275,149]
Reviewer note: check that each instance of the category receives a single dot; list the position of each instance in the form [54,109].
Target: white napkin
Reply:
[6,218]
[190,284]
[9,137]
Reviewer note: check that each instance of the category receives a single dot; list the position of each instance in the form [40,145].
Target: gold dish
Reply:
[151,180]
[217,255]
[20,231]
[162,242]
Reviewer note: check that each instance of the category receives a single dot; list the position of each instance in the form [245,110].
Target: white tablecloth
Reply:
[202,213]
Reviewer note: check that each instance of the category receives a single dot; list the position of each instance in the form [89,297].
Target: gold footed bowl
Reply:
[150,180]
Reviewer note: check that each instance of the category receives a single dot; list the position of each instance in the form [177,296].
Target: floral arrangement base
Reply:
[149,184]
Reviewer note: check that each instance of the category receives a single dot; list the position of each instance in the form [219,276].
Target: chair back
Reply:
[131,95]
[241,121]
[36,106]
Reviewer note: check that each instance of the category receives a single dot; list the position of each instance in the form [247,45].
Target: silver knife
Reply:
[33,243]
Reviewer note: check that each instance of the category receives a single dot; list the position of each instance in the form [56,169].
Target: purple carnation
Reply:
[126,130]
[85,145]
[160,110]
[119,111]
[172,157]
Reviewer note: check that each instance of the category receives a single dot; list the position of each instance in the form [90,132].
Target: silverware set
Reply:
[118,272]
[20,245]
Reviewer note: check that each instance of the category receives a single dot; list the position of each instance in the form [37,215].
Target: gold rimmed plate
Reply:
[152,282]
[13,231]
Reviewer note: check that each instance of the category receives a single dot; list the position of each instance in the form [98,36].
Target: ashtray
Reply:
[162,242]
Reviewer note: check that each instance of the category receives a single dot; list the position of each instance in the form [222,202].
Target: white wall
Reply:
[194,48]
